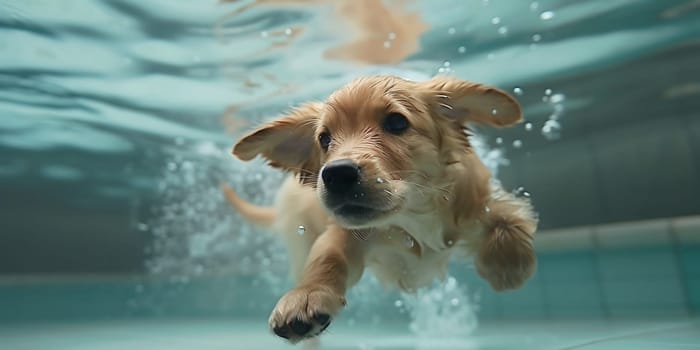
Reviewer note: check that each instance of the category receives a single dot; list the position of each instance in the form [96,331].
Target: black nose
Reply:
[340,175]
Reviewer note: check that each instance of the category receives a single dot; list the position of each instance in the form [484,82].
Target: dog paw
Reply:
[304,313]
[506,258]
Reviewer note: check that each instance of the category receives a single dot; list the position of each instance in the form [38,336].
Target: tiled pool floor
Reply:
[208,334]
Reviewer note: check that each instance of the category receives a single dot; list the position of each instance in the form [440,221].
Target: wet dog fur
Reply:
[383,177]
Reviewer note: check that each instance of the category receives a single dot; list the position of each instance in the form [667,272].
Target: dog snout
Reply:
[340,175]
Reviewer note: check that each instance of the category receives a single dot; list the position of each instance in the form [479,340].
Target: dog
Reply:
[383,177]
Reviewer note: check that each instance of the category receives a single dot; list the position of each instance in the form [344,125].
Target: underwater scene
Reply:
[118,119]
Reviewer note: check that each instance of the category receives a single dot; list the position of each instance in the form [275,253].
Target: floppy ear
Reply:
[288,143]
[466,102]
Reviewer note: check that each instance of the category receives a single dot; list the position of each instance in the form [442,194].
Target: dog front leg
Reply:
[335,263]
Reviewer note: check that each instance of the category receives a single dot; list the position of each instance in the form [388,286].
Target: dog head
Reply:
[381,146]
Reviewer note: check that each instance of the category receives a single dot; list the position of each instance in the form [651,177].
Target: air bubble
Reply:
[536,37]
[499,140]
[503,30]
[288,31]
[546,15]
[449,286]
[387,44]
[408,241]
[494,111]
[301,230]
[495,20]
[450,242]
[451,31]
[547,92]
[557,98]
[454,301]
[528,126]
[398,303]
[521,192]
[518,91]
[380,180]
[187,165]
[551,130]
[534,6]
[517,144]
[391,36]
[462,49]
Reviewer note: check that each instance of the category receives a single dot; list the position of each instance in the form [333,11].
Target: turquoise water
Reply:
[116,120]
[605,335]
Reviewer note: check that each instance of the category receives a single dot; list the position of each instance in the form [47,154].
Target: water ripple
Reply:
[135,75]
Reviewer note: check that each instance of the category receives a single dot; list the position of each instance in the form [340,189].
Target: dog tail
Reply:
[261,216]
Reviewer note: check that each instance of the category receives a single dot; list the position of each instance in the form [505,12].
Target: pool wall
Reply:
[641,269]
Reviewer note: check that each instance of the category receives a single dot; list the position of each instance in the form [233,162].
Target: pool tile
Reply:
[653,233]
[644,297]
[639,263]
[569,266]
[693,285]
[575,299]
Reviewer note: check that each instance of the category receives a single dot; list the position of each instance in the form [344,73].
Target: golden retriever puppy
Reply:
[385,179]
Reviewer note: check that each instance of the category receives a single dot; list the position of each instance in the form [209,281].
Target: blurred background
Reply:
[116,120]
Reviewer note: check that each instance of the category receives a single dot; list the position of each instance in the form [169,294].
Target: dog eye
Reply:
[324,139]
[395,123]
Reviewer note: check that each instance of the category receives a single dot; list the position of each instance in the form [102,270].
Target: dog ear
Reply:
[288,142]
[466,102]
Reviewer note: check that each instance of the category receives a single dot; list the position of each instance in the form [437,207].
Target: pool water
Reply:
[206,334]
[116,123]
